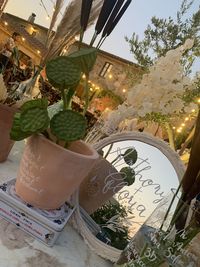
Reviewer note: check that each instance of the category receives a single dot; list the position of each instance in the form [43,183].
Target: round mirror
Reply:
[134,173]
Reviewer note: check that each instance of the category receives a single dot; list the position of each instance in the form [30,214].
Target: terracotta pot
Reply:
[6,119]
[102,183]
[49,174]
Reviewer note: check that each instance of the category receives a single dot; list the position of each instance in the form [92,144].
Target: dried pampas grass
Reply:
[69,27]
[58,7]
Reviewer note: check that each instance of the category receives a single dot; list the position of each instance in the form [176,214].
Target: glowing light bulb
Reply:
[193,110]
[65,50]
[23,39]
[186,119]
[38,51]
[91,89]
[174,127]
[5,23]
[83,76]
[179,131]
[124,90]
[198,100]
[110,76]
[183,124]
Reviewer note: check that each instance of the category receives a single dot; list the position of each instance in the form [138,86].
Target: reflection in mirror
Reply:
[126,185]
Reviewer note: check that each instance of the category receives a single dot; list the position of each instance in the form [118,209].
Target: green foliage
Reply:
[128,174]
[16,132]
[130,156]
[62,72]
[85,58]
[156,117]
[119,239]
[109,93]
[32,119]
[166,34]
[37,103]
[192,95]
[68,125]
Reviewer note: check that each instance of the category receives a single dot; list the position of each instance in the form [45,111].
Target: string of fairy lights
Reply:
[43,5]
[186,120]
[95,87]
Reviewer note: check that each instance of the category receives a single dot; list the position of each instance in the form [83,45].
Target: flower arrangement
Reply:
[161,90]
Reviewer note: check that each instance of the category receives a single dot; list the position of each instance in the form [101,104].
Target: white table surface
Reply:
[18,249]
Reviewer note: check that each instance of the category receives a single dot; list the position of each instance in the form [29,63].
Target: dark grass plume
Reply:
[111,24]
[105,12]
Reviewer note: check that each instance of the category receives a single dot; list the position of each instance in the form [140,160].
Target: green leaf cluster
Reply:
[64,73]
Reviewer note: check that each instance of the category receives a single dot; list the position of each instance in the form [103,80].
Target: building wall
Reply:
[38,32]
[116,79]
[23,46]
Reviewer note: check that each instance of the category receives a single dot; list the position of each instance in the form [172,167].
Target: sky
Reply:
[136,19]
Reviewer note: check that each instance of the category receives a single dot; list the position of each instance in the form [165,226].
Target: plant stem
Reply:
[187,141]
[170,135]
[86,88]
[114,160]
[110,148]
[171,203]
[69,95]
[64,98]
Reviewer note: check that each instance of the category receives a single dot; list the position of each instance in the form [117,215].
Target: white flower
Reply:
[188,44]
[160,90]
[191,108]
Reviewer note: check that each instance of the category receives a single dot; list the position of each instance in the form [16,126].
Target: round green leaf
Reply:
[86,58]
[130,156]
[34,120]
[68,125]
[63,72]
[39,103]
[128,174]
[16,133]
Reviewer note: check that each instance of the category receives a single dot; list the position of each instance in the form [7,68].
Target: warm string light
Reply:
[179,129]
[92,85]
[5,23]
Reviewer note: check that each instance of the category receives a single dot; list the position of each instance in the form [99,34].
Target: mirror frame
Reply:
[100,248]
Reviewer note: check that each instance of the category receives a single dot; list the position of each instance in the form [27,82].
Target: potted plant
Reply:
[55,161]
